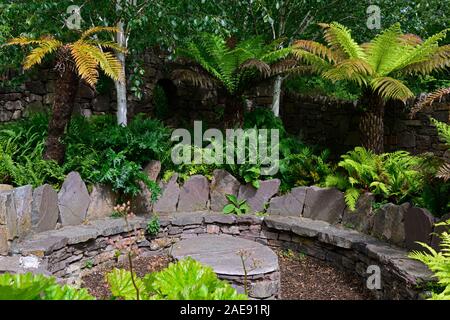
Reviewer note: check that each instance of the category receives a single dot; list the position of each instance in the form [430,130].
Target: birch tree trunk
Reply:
[121,86]
[277,96]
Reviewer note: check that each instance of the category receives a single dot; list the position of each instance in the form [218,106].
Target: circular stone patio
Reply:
[225,254]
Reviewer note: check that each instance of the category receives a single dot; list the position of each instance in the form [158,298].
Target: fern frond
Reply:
[339,38]
[85,63]
[106,60]
[438,60]
[444,172]
[429,99]
[37,54]
[356,70]
[98,29]
[390,88]
[317,49]
[257,64]
[443,130]
[193,77]
[383,50]
[351,198]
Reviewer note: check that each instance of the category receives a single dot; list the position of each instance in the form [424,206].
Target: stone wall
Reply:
[71,252]
[334,124]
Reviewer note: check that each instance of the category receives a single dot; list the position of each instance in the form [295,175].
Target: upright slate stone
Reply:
[44,210]
[326,204]
[258,198]
[8,214]
[194,194]
[361,218]
[4,245]
[290,204]
[23,199]
[389,223]
[168,199]
[142,203]
[222,184]
[102,203]
[418,227]
[73,200]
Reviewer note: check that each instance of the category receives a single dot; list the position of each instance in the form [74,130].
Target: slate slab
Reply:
[326,204]
[8,214]
[44,210]
[221,253]
[23,200]
[194,195]
[102,202]
[223,183]
[361,218]
[73,200]
[168,200]
[290,204]
[389,223]
[418,227]
[142,203]
[257,199]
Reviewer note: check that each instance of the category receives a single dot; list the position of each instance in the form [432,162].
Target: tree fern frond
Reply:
[383,50]
[438,60]
[37,54]
[257,64]
[356,70]
[317,64]
[98,29]
[193,77]
[390,88]
[106,60]
[318,49]
[339,37]
[429,99]
[85,63]
[107,44]
[419,53]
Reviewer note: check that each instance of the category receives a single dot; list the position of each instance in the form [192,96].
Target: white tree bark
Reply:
[276,96]
[121,86]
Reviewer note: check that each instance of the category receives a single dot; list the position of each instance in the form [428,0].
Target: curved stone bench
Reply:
[66,253]
[227,255]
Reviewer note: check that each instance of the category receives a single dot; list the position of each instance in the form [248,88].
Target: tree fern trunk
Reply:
[65,91]
[371,124]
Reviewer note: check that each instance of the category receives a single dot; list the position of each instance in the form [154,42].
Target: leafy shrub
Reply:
[393,176]
[37,287]
[438,262]
[124,175]
[304,168]
[184,280]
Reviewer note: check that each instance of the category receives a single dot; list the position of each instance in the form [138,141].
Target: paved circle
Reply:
[221,252]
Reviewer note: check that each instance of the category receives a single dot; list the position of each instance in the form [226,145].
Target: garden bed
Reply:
[95,280]
[307,278]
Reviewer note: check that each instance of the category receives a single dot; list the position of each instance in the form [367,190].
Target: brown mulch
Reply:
[307,278]
[95,281]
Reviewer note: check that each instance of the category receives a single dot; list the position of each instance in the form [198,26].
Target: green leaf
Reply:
[229,208]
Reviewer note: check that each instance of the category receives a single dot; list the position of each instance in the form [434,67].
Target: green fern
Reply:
[438,262]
